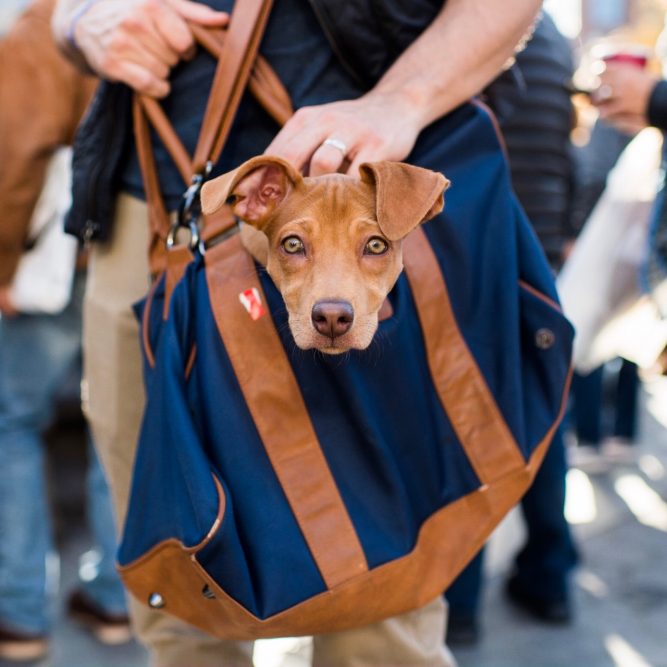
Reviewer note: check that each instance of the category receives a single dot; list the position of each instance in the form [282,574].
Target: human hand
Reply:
[623,96]
[138,42]
[7,308]
[377,126]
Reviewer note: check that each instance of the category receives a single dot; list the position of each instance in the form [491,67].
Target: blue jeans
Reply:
[36,354]
[545,562]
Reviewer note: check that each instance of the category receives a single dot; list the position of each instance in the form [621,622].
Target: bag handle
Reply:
[238,66]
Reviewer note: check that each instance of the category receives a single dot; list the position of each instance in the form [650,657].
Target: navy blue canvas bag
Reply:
[282,492]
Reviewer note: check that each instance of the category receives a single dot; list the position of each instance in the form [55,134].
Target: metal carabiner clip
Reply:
[189,211]
[192,226]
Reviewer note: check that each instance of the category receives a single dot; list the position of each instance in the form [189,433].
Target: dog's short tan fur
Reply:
[334,242]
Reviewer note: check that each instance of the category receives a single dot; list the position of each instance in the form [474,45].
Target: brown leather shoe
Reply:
[20,646]
[110,629]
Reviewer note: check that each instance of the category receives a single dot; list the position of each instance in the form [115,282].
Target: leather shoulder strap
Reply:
[237,56]
[238,66]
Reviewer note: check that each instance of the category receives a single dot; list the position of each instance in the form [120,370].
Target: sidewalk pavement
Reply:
[618,506]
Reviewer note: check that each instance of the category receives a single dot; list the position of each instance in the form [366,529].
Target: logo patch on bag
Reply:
[252,302]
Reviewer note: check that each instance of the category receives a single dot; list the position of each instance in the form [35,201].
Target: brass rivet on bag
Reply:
[156,601]
[208,593]
[545,338]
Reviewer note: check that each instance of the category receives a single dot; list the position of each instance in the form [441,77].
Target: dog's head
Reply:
[334,241]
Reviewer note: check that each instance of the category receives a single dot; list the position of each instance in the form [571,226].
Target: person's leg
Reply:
[99,578]
[586,412]
[118,277]
[463,597]
[36,352]
[544,564]
[627,393]
[414,639]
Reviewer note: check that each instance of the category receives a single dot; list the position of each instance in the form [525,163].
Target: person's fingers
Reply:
[140,79]
[140,55]
[328,158]
[174,31]
[200,13]
[301,136]
[161,46]
[366,154]
[142,29]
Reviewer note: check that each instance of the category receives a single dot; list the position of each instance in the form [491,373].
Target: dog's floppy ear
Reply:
[405,196]
[257,187]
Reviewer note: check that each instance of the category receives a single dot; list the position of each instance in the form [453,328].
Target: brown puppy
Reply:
[334,241]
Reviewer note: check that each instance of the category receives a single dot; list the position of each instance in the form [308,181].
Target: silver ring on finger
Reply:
[337,144]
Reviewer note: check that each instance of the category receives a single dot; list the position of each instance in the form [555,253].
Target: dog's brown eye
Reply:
[376,246]
[293,245]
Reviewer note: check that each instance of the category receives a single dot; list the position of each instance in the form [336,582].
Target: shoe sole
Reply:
[23,650]
[112,635]
[109,634]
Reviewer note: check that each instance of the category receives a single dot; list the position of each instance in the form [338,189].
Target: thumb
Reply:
[198,13]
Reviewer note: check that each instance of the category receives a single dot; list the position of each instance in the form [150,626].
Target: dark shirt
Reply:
[657,106]
[537,135]
[296,47]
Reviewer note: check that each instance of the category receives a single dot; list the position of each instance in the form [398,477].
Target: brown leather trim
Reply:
[157,213]
[222,504]
[191,362]
[168,135]
[237,56]
[529,288]
[446,542]
[217,223]
[463,392]
[178,259]
[264,84]
[280,415]
[145,319]
[494,121]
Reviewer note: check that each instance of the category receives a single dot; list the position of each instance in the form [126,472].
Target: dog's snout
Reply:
[332,318]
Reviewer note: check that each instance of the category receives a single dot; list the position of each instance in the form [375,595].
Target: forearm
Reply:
[464,49]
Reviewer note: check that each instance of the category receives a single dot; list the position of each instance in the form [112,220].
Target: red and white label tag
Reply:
[252,302]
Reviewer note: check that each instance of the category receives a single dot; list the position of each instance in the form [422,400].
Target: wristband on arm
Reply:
[74,21]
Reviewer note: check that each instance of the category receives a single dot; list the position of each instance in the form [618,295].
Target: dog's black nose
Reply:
[332,318]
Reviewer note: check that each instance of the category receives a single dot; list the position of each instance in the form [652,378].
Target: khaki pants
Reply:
[113,401]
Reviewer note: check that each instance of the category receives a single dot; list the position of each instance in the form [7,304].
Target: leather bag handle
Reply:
[239,65]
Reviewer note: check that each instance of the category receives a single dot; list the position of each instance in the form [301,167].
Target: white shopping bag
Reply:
[43,280]
[598,285]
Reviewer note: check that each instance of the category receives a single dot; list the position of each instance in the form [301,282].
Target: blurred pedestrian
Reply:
[42,98]
[536,125]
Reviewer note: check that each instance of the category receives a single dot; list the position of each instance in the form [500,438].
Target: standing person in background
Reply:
[363,75]
[42,98]
[536,125]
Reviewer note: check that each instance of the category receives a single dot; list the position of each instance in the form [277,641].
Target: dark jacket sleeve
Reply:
[42,98]
[657,106]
